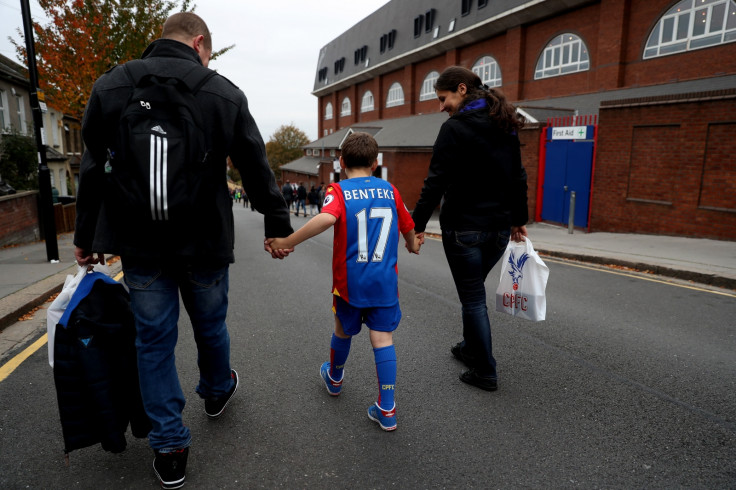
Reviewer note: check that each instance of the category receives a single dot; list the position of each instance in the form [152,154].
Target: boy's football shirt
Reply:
[370,216]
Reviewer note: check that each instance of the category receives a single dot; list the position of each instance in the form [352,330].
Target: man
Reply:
[288,193]
[190,256]
[301,198]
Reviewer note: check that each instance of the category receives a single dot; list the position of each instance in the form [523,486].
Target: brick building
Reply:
[646,85]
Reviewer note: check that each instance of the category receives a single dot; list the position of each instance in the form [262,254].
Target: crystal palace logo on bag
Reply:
[516,268]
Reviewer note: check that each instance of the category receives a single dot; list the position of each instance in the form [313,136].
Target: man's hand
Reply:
[85,257]
[413,244]
[276,253]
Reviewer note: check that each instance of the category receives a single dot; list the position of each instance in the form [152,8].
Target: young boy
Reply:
[368,215]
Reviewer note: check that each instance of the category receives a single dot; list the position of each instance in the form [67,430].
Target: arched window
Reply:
[488,70]
[328,111]
[345,109]
[395,95]
[427,92]
[693,24]
[367,104]
[566,53]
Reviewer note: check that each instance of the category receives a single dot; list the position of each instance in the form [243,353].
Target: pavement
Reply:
[28,279]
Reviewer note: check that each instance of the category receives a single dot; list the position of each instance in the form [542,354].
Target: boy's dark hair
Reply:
[359,150]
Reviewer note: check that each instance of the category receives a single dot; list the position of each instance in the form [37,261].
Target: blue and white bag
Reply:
[521,288]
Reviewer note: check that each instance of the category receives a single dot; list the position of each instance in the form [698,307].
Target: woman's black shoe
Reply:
[457,352]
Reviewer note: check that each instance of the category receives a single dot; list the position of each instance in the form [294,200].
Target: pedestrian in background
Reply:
[476,172]
[368,215]
[288,192]
[191,256]
[301,199]
[313,198]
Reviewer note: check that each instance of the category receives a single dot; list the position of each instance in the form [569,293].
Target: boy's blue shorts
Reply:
[383,319]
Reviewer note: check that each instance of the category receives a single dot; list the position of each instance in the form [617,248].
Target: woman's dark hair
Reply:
[500,109]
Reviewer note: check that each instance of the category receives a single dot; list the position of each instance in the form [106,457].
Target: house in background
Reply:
[631,104]
[62,134]
[15,106]
[56,157]
[73,147]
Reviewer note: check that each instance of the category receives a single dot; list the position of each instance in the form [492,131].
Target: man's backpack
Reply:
[161,158]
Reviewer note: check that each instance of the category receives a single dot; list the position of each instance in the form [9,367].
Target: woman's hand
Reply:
[518,233]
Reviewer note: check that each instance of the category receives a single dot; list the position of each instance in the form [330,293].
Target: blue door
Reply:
[568,167]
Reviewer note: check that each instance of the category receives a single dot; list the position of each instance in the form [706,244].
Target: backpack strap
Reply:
[136,70]
[194,79]
[197,77]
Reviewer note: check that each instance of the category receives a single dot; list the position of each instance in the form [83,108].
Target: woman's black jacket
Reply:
[476,167]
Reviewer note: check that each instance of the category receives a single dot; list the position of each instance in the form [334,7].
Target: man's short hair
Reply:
[359,150]
[186,25]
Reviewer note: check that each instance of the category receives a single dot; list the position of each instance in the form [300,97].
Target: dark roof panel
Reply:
[481,23]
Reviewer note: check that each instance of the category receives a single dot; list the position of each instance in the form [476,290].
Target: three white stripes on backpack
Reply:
[158,167]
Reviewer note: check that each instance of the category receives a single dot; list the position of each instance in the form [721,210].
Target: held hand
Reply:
[420,236]
[270,245]
[84,257]
[518,233]
[414,246]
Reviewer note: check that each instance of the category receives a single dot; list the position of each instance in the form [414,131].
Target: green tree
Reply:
[84,38]
[19,161]
[284,146]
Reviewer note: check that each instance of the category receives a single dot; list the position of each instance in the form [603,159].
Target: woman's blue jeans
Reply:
[154,294]
[471,256]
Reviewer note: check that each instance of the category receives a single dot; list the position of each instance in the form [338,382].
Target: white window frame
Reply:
[692,24]
[489,71]
[395,95]
[368,103]
[427,92]
[565,54]
[4,116]
[328,111]
[346,108]
[22,124]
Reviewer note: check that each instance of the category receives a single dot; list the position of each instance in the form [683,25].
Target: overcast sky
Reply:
[275,58]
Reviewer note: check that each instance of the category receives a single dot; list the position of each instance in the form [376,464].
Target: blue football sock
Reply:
[386,371]
[339,350]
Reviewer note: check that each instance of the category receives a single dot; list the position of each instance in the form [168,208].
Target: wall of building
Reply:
[614,32]
[662,167]
[665,166]
[530,138]
[19,218]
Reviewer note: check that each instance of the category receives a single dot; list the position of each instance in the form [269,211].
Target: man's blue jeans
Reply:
[301,203]
[471,256]
[154,294]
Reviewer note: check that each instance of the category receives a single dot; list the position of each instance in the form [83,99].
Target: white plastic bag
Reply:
[521,288]
[58,306]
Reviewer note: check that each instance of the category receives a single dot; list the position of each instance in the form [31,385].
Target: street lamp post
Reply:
[46,205]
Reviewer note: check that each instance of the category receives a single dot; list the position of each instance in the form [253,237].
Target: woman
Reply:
[476,167]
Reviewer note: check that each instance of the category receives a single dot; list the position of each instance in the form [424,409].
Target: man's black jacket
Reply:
[209,234]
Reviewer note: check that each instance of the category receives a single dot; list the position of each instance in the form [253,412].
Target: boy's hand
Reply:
[276,247]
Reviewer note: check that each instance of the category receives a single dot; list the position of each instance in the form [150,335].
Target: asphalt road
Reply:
[628,384]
